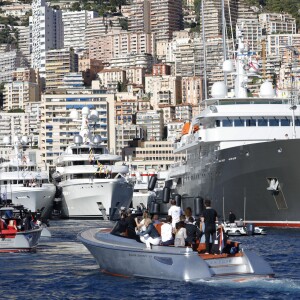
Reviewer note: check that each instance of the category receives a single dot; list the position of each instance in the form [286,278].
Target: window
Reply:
[297,122]
[250,122]
[227,123]
[274,122]
[262,122]
[238,123]
[285,122]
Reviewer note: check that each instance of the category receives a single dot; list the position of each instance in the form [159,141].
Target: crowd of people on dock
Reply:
[179,228]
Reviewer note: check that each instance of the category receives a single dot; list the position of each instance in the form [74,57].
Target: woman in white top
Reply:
[180,235]
[167,237]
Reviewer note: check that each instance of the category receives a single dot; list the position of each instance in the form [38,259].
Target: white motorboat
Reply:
[232,229]
[121,256]
[93,185]
[24,183]
[16,233]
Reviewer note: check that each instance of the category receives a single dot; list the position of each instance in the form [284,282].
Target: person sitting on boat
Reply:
[167,237]
[192,231]
[121,226]
[155,219]
[180,235]
[131,225]
[175,212]
[12,225]
[140,224]
[231,217]
[150,236]
[210,219]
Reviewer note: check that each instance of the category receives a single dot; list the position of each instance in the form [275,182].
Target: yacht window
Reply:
[297,122]
[285,122]
[227,123]
[218,123]
[262,122]
[238,123]
[250,122]
[274,122]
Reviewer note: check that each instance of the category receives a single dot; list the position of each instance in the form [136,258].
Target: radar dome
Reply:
[266,90]
[24,139]
[85,110]
[219,90]
[6,140]
[227,66]
[94,115]
[78,140]
[97,139]
[74,114]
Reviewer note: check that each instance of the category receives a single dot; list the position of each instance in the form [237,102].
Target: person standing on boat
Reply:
[175,212]
[150,236]
[210,219]
[167,237]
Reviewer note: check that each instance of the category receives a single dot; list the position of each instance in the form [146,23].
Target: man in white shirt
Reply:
[167,232]
[175,212]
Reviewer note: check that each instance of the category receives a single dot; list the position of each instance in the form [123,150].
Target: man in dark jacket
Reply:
[192,232]
[210,219]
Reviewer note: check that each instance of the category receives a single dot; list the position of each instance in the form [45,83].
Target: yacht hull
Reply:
[237,179]
[33,198]
[82,199]
[126,257]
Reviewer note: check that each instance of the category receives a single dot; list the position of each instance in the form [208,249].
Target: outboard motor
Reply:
[177,198]
[152,183]
[250,229]
[198,206]
[166,194]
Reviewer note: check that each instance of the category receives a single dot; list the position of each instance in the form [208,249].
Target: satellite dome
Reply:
[266,90]
[97,139]
[74,114]
[94,115]
[24,139]
[85,110]
[219,90]
[227,66]
[78,140]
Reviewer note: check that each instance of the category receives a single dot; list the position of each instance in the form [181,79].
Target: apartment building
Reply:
[59,63]
[174,130]
[101,26]
[18,93]
[168,113]
[58,129]
[156,16]
[10,60]
[24,45]
[75,24]
[192,90]
[184,112]
[89,69]
[163,90]
[46,33]
[277,23]
[25,74]
[152,121]
[111,77]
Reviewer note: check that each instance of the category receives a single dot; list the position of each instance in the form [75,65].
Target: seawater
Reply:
[62,268]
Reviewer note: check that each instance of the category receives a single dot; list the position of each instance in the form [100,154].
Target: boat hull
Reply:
[236,179]
[21,241]
[126,257]
[33,198]
[82,199]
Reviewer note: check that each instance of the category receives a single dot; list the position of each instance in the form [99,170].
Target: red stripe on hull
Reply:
[277,224]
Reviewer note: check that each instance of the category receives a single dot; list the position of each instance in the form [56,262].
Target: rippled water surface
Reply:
[62,268]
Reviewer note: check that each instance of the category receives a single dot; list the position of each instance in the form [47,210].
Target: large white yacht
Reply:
[23,182]
[92,184]
[243,152]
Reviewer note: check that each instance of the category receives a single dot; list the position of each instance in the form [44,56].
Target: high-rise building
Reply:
[46,33]
[75,24]
[24,45]
[10,60]
[161,17]
[58,64]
